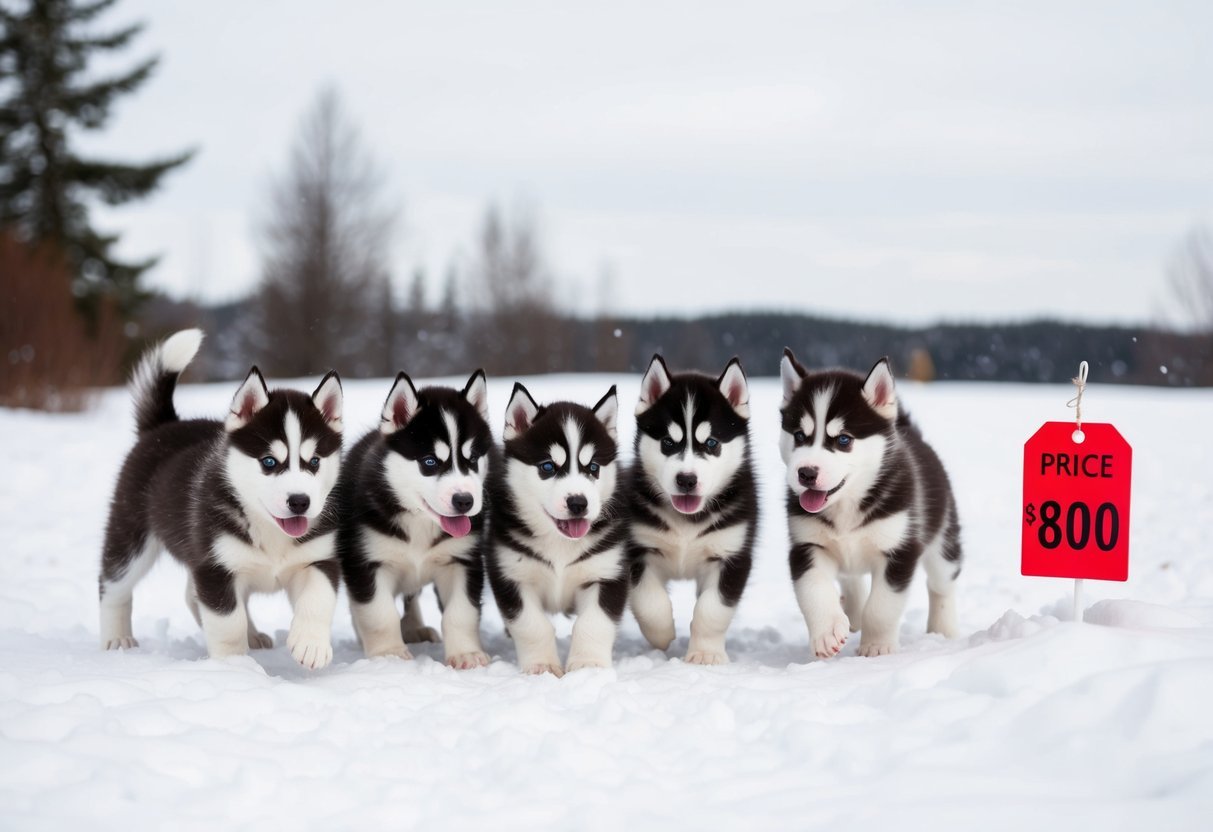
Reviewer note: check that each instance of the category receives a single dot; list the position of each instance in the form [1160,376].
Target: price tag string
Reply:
[1079,381]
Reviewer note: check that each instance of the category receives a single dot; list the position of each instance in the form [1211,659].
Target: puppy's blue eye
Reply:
[843,440]
[314,463]
[430,462]
[799,436]
[269,463]
[548,467]
[594,468]
[712,443]
[667,443]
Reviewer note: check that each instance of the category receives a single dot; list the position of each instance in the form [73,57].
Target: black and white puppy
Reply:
[693,503]
[866,496]
[243,504]
[556,530]
[412,497]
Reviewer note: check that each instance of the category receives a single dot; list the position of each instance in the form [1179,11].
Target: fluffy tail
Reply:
[155,378]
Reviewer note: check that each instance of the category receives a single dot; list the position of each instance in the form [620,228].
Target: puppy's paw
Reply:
[119,643]
[833,636]
[259,641]
[539,668]
[707,657]
[417,635]
[876,648]
[313,650]
[582,662]
[468,661]
[397,652]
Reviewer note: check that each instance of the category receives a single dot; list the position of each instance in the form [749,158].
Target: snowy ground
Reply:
[1026,721]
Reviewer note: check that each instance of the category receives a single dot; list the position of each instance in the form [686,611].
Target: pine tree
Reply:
[45,96]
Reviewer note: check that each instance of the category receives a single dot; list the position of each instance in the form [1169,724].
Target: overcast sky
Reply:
[895,161]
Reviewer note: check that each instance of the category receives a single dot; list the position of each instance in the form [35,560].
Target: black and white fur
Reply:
[412,499]
[556,531]
[242,503]
[693,503]
[866,496]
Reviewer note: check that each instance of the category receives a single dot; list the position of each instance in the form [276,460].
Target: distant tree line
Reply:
[450,342]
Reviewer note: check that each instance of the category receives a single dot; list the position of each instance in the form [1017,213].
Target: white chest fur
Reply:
[272,558]
[414,562]
[555,583]
[857,548]
[682,549]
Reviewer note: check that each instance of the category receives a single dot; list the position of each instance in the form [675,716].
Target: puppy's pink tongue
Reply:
[294,526]
[456,526]
[573,528]
[687,504]
[813,501]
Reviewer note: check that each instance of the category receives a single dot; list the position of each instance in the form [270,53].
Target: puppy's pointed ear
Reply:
[607,411]
[654,384]
[520,413]
[790,373]
[476,391]
[328,399]
[733,387]
[879,390]
[400,407]
[248,401]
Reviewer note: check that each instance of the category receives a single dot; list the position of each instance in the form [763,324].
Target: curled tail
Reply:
[155,378]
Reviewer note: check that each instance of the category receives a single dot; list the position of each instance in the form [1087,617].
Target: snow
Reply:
[1026,721]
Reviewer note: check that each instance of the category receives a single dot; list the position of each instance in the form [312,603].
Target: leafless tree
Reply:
[1190,277]
[521,329]
[325,238]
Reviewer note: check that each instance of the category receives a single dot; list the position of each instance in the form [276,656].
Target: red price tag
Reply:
[1076,502]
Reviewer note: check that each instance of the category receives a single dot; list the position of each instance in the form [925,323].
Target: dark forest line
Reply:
[524,342]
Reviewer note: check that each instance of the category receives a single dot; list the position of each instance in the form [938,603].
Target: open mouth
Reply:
[456,526]
[687,503]
[294,526]
[574,528]
[814,501]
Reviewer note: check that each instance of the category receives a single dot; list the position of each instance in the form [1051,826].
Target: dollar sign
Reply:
[1030,513]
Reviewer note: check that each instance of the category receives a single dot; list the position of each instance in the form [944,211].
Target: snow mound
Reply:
[1138,615]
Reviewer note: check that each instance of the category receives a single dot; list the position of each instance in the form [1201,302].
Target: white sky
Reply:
[895,161]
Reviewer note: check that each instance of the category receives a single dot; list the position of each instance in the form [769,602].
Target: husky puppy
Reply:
[693,503]
[411,498]
[556,532]
[242,503]
[866,495]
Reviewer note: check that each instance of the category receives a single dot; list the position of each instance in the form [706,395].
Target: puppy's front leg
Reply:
[313,594]
[650,602]
[459,588]
[710,620]
[599,608]
[886,604]
[221,612]
[377,622]
[814,576]
[534,637]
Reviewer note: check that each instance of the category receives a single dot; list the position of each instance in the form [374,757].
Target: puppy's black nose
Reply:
[686,482]
[576,504]
[808,476]
[298,503]
[463,502]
